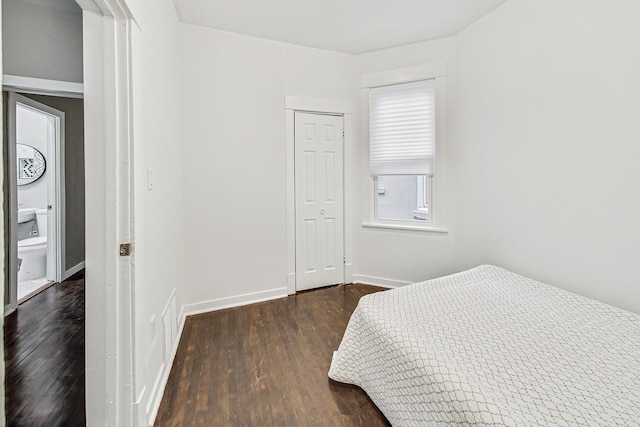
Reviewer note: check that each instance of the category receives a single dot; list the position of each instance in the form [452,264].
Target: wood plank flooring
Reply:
[44,358]
[266,364]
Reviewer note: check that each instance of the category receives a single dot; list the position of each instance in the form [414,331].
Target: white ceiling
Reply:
[350,26]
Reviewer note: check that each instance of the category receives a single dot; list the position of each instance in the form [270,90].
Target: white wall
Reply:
[542,140]
[403,256]
[42,42]
[234,202]
[547,145]
[158,212]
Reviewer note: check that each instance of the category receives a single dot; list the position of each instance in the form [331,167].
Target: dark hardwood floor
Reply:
[266,364]
[44,358]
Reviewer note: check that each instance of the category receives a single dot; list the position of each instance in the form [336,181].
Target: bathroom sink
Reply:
[26,214]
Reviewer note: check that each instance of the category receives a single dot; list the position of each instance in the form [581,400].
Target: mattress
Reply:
[490,347]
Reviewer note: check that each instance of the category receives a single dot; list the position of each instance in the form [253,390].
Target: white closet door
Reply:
[319,186]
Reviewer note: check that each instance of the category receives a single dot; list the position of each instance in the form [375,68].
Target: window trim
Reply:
[424,197]
[405,227]
[437,220]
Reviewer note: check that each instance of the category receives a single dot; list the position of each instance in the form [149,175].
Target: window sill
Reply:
[403,227]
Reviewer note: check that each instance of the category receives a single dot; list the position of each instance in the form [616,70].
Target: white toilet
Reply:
[33,251]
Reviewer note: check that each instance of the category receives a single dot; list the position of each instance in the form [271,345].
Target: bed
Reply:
[490,347]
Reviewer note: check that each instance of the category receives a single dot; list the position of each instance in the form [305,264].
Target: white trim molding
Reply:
[430,70]
[348,270]
[318,105]
[113,378]
[379,281]
[291,282]
[165,370]
[116,9]
[234,301]
[160,383]
[73,270]
[438,208]
[42,86]
[403,227]
[291,200]
[315,105]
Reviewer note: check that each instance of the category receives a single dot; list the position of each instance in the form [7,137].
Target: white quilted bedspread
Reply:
[490,347]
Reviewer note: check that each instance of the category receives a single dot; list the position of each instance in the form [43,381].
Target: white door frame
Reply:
[42,86]
[11,239]
[110,369]
[320,106]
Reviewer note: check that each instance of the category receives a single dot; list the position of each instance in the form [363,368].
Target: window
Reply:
[402,150]
[403,197]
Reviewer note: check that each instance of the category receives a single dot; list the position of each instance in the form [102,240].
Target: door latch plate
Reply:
[125,249]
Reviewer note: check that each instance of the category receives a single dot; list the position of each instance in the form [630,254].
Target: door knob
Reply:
[321,211]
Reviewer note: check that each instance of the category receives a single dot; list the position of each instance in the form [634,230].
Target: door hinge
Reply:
[343,134]
[125,249]
[344,259]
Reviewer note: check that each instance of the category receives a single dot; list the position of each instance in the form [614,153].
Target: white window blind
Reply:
[401,125]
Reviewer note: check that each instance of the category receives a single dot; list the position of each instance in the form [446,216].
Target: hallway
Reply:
[44,358]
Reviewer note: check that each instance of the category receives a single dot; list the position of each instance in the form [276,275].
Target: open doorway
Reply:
[36,140]
[46,138]
[46,171]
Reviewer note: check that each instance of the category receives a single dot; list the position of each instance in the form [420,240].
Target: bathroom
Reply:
[37,135]
[47,189]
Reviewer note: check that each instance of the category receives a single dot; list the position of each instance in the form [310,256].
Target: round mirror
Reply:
[31,164]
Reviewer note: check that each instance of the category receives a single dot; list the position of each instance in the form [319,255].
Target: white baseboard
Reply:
[157,390]
[159,387]
[137,407]
[235,301]
[379,281]
[183,318]
[291,283]
[73,270]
